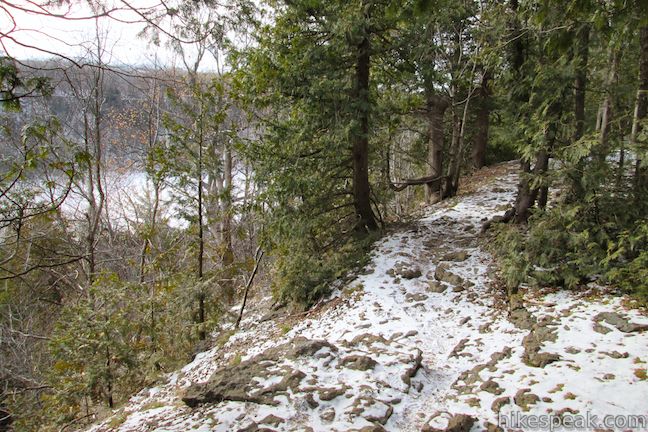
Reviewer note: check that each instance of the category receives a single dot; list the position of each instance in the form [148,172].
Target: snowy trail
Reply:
[414,340]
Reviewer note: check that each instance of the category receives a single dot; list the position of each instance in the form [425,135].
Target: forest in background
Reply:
[335,121]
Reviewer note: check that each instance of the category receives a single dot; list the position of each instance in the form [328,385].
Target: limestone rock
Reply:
[519,315]
[491,386]
[523,398]
[330,393]
[598,328]
[372,428]
[456,351]
[243,382]
[416,297]
[443,274]
[620,321]
[456,423]
[436,287]
[310,400]
[359,362]
[492,427]
[413,369]
[532,344]
[456,256]
[328,415]
[272,420]
[405,270]
[371,409]
[254,427]
[498,403]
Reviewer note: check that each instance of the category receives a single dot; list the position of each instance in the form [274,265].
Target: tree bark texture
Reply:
[361,187]
[436,107]
[641,110]
[483,124]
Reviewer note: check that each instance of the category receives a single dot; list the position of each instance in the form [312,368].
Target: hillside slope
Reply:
[418,338]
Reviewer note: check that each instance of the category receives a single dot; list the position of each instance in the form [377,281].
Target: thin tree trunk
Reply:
[543,197]
[202,334]
[483,116]
[246,189]
[543,191]
[606,107]
[529,195]
[258,255]
[457,159]
[153,120]
[94,147]
[454,153]
[599,119]
[436,107]
[109,380]
[226,217]
[580,81]
[580,86]
[90,215]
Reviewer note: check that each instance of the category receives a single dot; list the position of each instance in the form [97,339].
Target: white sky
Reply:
[73,37]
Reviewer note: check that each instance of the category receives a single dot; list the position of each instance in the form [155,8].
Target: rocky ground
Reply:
[420,341]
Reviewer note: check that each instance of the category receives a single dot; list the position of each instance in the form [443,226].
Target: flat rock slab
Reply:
[620,321]
[405,270]
[244,382]
[443,274]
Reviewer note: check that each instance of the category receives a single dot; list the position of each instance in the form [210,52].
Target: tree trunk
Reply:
[517,53]
[361,187]
[226,216]
[202,334]
[640,112]
[542,167]
[109,380]
[580,81]
[580,86]
[543,197]
[525,198]
[95,194]
[436,107]
[526,195]
[455,150]
[606,107]
[483,114]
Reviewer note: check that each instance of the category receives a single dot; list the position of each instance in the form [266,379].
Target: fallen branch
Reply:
[257,260]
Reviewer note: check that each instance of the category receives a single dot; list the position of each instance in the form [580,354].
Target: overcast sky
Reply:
[72,37]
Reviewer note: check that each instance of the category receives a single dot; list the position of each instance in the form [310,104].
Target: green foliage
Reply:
[96,348]
[15,86]
[304,74]
[508,246]
[626,263]
[595,228]
[197,132]
[571,244]
[118,338]
[304,276]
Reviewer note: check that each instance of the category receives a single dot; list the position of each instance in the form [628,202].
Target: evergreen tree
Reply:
[310,77]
